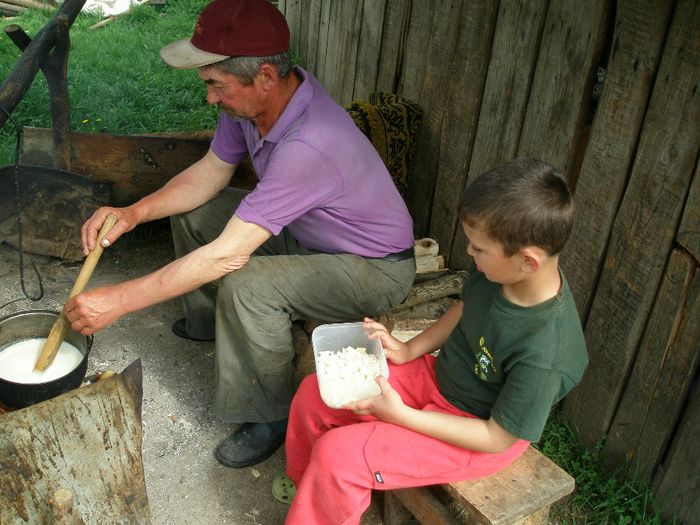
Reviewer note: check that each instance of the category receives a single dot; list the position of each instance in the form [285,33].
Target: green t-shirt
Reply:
[512,362]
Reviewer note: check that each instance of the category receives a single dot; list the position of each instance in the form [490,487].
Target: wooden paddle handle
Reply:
[60,327]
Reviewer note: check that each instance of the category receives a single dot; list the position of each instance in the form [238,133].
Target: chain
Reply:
[18,212]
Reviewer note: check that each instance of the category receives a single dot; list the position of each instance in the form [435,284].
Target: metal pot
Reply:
[34,324]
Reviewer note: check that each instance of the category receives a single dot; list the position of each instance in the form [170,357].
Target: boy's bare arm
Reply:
[189,189]
[472,433]
[436,335]
[93,310]
[482,435]
[427,341]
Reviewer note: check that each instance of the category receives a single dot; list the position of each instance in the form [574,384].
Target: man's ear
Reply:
[531,259]
[266,75]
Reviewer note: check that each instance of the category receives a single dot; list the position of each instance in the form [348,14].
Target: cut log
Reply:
[11,9]
[30,3]
[405,329]
[426,246]
[430,263]
[449,284]
[88,439]
[430,310]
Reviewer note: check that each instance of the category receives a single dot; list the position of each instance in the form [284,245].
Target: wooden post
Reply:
[48,51]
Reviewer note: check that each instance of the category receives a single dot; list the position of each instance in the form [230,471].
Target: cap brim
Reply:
[183,55]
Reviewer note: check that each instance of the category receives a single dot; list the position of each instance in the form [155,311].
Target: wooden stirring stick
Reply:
[60,327]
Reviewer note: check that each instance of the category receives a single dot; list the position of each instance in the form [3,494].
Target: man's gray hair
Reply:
[245,68]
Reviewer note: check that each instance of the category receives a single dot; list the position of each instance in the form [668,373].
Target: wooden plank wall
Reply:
[501,79]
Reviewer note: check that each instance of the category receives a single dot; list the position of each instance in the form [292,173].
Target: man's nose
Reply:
[212,96]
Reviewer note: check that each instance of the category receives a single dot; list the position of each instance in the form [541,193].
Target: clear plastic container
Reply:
[347,375]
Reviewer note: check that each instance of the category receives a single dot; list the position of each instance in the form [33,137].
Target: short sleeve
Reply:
[524,403]
[229,142]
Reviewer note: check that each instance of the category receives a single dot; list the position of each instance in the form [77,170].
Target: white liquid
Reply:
[17,361]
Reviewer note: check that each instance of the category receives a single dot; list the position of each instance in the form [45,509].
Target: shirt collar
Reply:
[296,106]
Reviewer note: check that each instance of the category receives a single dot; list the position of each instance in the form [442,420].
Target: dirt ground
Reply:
[185,483]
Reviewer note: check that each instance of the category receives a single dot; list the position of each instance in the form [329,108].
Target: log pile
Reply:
[17,7]
[428,259]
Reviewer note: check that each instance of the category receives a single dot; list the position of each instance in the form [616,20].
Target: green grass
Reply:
[598,498]
[119,84]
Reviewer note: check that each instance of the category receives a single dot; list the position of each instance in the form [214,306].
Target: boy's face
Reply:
[490,258]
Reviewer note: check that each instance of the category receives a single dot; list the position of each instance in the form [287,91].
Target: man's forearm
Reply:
[177,278]
[189,189]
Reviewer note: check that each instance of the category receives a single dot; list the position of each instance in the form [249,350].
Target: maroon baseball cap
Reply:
[228,28]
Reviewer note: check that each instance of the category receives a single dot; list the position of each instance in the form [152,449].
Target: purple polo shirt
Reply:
[319,176]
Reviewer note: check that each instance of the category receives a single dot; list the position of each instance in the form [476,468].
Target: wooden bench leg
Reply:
[420,503]
[394,511]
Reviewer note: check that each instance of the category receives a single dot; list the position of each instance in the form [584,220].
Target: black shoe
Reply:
[251,444]
[179,330]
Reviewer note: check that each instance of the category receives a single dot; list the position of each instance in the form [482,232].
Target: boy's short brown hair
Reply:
[525,202]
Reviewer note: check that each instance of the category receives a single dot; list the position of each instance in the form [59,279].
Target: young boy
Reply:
[509,351]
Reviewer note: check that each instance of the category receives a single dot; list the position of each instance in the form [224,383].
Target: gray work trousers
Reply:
[250,311]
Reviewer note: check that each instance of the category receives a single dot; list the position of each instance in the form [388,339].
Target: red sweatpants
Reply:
[336,458]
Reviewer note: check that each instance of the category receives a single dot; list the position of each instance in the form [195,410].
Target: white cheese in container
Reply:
[347,361]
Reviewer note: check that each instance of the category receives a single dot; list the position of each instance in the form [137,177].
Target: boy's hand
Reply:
[396,351]
[387,406]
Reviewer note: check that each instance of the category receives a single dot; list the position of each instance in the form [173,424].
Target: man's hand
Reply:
[387,406]
[91,311]
[127,222]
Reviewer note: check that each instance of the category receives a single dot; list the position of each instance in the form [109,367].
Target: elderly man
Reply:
[324,234]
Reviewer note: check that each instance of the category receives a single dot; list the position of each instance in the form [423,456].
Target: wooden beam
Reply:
[88,439]
[136,165]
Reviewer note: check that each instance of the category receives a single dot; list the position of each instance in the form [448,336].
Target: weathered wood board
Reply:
[396,18]
[336,68]
[644,228]
[567,61]
[463,98]
[434,26]
[663,371]
[88,441]
[137,165]
[511,67]
[677,484]
[369,49]
[689,230]
[640,32]
[530,483]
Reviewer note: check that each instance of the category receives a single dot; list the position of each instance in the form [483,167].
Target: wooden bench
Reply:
[521,494]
